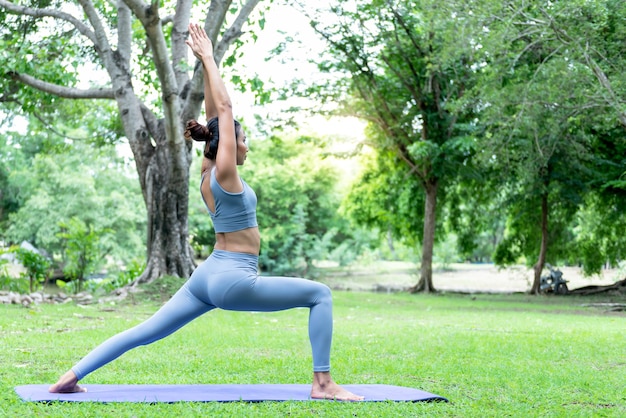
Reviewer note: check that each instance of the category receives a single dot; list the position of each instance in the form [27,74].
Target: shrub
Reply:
[37,267]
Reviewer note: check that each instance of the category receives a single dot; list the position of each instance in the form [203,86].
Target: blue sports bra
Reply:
[233,211]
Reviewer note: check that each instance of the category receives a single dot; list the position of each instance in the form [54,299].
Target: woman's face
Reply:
[242,147]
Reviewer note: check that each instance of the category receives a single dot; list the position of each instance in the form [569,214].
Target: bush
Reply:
[82,250]
[37,267]
[107,284]
[12,284]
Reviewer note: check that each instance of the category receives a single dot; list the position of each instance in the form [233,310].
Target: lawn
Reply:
[490,355]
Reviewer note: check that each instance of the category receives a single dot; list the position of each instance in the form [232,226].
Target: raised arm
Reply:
[209,110]
[218,101]
[209,106]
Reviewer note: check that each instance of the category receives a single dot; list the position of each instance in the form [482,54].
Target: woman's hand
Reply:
[199,42]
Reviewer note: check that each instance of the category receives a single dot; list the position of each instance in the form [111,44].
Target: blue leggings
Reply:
[229,281]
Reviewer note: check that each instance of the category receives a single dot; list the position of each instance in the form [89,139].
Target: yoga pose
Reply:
[229,278]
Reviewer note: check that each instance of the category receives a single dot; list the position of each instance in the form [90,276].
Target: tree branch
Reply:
[67,92]
[612,100]
[51,128]
[563,37]
[214,15]
[234,31]
[39,13]
[100,40]
[152,122]
[124,32]
[180,24]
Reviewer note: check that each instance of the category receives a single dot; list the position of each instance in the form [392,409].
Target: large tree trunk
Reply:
[168,250]
[162,159]
[544,245]
[162,156]
[425,283]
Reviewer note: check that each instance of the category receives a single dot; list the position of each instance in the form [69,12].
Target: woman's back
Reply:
[233,215]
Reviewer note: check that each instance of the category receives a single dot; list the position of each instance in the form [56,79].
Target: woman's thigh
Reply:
[250,292]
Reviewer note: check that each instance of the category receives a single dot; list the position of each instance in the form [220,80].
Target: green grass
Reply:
[490,355]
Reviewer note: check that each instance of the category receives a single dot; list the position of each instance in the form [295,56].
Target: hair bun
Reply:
[196,131]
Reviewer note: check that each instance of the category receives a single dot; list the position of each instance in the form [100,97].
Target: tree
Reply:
[297,205]
[58,185]
[540,105]
[475,213]
[602,218]
[403,66]
[140,49]
[382,199]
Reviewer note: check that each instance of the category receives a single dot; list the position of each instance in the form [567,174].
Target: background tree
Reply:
[139,48]
[58,185]
[381,198]
[539,101]
[599,240]
[475,214]
[594,35]
[299,198]
[403,65]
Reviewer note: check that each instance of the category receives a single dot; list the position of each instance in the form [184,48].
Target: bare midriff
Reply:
[245,241]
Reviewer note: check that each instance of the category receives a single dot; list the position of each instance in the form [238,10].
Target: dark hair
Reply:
[209,134]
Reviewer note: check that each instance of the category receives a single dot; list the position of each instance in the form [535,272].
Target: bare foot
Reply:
[325,388]
[68,383]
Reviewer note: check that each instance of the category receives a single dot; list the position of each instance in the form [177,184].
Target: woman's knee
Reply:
[324,292]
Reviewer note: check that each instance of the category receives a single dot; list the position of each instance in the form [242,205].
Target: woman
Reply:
[228,279]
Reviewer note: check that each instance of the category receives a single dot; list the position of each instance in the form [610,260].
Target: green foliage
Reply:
[298,204]
[36,47]
[53,187]
[37,267]
[351,248]
[105,285]
[19,285]
[508,252]
[12,284]
[598,233]
[83,252]
[382,198]
[474,213]
[294,204]
[543,125]
[201,231]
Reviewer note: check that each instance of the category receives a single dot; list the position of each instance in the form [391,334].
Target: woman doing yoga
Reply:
[229,278]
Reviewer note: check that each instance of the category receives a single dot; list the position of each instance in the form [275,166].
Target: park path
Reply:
[486,277]
[396,276]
